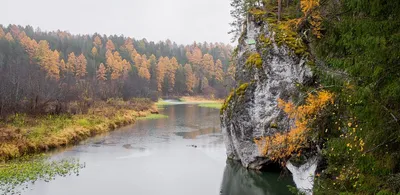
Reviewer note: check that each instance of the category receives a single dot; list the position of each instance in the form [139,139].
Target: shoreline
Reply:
[27,135]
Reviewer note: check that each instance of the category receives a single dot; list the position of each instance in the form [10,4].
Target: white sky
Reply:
[182,21]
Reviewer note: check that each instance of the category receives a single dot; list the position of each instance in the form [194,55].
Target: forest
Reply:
[351,117]
[43,72]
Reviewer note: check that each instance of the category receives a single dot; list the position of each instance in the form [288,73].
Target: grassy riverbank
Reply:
[216,105]
[22,134]
[200,99]
[203,101]
[153,116]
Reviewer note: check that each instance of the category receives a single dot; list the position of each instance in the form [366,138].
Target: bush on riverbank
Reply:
[23,134]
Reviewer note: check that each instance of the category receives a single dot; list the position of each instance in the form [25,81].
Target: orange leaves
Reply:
[160,71]
[94,52]
[195,56]
[288,107]
[128,47]
[142,64]
[171,70]
[110,45]
[2,34]
[81,63]
[97,42]
[62,66]
[144,73]
[310,14]
[282,145]
[9,37]
[48,60]
[218,71]
[114,62]
[101,73]
[116,65]
[208,63]
[71,63]
[29,45]
[308,5]
[189,78]
[76,65]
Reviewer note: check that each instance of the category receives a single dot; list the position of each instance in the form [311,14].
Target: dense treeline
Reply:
[353,48]
[41,72]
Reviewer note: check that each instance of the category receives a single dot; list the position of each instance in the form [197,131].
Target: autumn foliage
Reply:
[283,145]
[41,72]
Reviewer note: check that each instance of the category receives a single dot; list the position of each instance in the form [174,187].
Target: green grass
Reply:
[153,116]
[161,103]
[30,169]
[215,105]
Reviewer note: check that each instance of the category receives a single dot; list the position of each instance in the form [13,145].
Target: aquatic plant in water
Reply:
[16,175]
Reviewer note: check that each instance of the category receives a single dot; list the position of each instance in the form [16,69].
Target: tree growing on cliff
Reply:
[281,146]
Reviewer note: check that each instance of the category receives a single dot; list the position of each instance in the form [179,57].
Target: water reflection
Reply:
[194,134]
[238,180]
[183,154]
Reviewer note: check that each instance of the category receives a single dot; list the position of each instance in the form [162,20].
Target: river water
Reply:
[183,154]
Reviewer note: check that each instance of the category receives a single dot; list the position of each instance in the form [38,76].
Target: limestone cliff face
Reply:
[252,110]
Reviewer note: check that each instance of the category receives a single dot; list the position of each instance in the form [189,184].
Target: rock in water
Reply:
[303,176]
[252,111]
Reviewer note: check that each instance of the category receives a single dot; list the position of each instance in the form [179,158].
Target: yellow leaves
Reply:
[194,56]
[310,14]
[48,60]
[308,5]
[219,72]
[62,66]
[171,70]
[101,73]
[161,69]
[9,37]
[116,65]
[142,64]
[94,52]
[110,45]
[97,42]
[129,48]
[282,145]
[189,78]
[2,34]
[29,45]
[80,68]
[71,63]
[287,107]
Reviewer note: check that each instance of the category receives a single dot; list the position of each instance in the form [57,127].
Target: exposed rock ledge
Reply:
[252,111]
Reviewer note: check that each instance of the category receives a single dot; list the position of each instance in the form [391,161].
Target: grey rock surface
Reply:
[255,113]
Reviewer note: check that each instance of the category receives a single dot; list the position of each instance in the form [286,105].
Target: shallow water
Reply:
[183,154]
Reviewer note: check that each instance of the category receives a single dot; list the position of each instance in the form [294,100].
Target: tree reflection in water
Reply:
[241,181]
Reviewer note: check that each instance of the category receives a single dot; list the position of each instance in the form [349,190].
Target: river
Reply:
[183,154]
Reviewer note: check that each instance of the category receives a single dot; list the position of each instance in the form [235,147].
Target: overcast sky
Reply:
[182,21]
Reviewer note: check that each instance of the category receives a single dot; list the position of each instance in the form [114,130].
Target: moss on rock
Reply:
[254,60]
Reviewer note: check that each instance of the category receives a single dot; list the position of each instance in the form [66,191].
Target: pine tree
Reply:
[218,71]
[101,73]
[9,37]
[160,73]
[97,42]
[94,52]
[189,78]
[2,34]
[71,63]
[81,63]
[110,45]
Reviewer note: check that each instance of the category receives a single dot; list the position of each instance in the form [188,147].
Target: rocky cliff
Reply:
[251,111]
[265,72]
